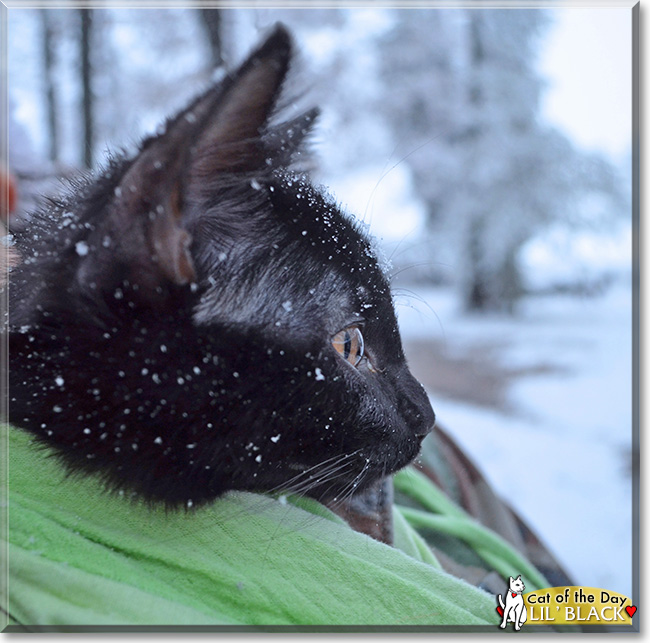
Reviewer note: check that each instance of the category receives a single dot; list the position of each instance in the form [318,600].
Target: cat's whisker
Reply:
[328,477]
[319,478]
[320,473]
[351,487]
[335,458]
[326,493]
[384,468]
[417,264]
[384,174]
[298,478]
[424,242]
[322,469]
[420,299]
[347,491]
[332,473]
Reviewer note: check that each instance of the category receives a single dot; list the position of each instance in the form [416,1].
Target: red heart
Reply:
[513,594]
[500,610]
[631,610]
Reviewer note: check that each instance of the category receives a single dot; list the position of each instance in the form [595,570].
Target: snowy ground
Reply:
[556,441]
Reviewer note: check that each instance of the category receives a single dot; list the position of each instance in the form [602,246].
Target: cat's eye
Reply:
[349,344]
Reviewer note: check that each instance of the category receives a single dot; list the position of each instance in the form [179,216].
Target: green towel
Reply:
[80,556]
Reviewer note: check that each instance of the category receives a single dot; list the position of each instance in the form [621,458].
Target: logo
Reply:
[514,608]
[573,605]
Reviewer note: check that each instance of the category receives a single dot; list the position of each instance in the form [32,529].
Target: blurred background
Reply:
[489,153]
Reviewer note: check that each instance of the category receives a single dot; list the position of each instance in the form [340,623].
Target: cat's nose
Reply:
[415,407]
[426,423]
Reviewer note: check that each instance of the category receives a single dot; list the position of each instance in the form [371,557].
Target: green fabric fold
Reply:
[443,516]
[80,556]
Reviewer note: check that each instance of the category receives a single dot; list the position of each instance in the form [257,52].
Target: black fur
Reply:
[171,321]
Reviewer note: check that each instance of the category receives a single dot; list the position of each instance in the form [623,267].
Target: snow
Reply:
[561,255]
[561,453]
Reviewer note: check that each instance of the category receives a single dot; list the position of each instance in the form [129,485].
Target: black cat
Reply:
[200,318]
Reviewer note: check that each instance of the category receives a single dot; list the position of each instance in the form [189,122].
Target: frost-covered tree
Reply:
[492,175]
[421,61]
[451,92]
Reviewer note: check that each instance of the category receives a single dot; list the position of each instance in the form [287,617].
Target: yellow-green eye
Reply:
[349,344]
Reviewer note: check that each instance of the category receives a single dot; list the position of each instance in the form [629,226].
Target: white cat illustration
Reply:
[514,609]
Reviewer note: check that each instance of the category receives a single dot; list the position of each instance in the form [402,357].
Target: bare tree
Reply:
[85,43]
[211,19]
[49,46]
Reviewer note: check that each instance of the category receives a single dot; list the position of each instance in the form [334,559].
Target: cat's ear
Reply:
[286,141]
[221,131]
[231,138]
[519,577]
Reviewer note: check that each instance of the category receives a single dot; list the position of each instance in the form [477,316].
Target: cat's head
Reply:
[516,584]
[201,318]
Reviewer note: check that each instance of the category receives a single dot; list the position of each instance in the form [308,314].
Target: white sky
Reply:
[588,63]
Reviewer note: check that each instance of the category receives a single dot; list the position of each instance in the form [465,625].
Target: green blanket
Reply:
[79,556]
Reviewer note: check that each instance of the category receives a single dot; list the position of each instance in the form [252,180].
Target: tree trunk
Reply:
[476,293]
[510,281]
[50,92]
[85,36]
[211,19]
[497,286]
[477,57]
[476,288]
